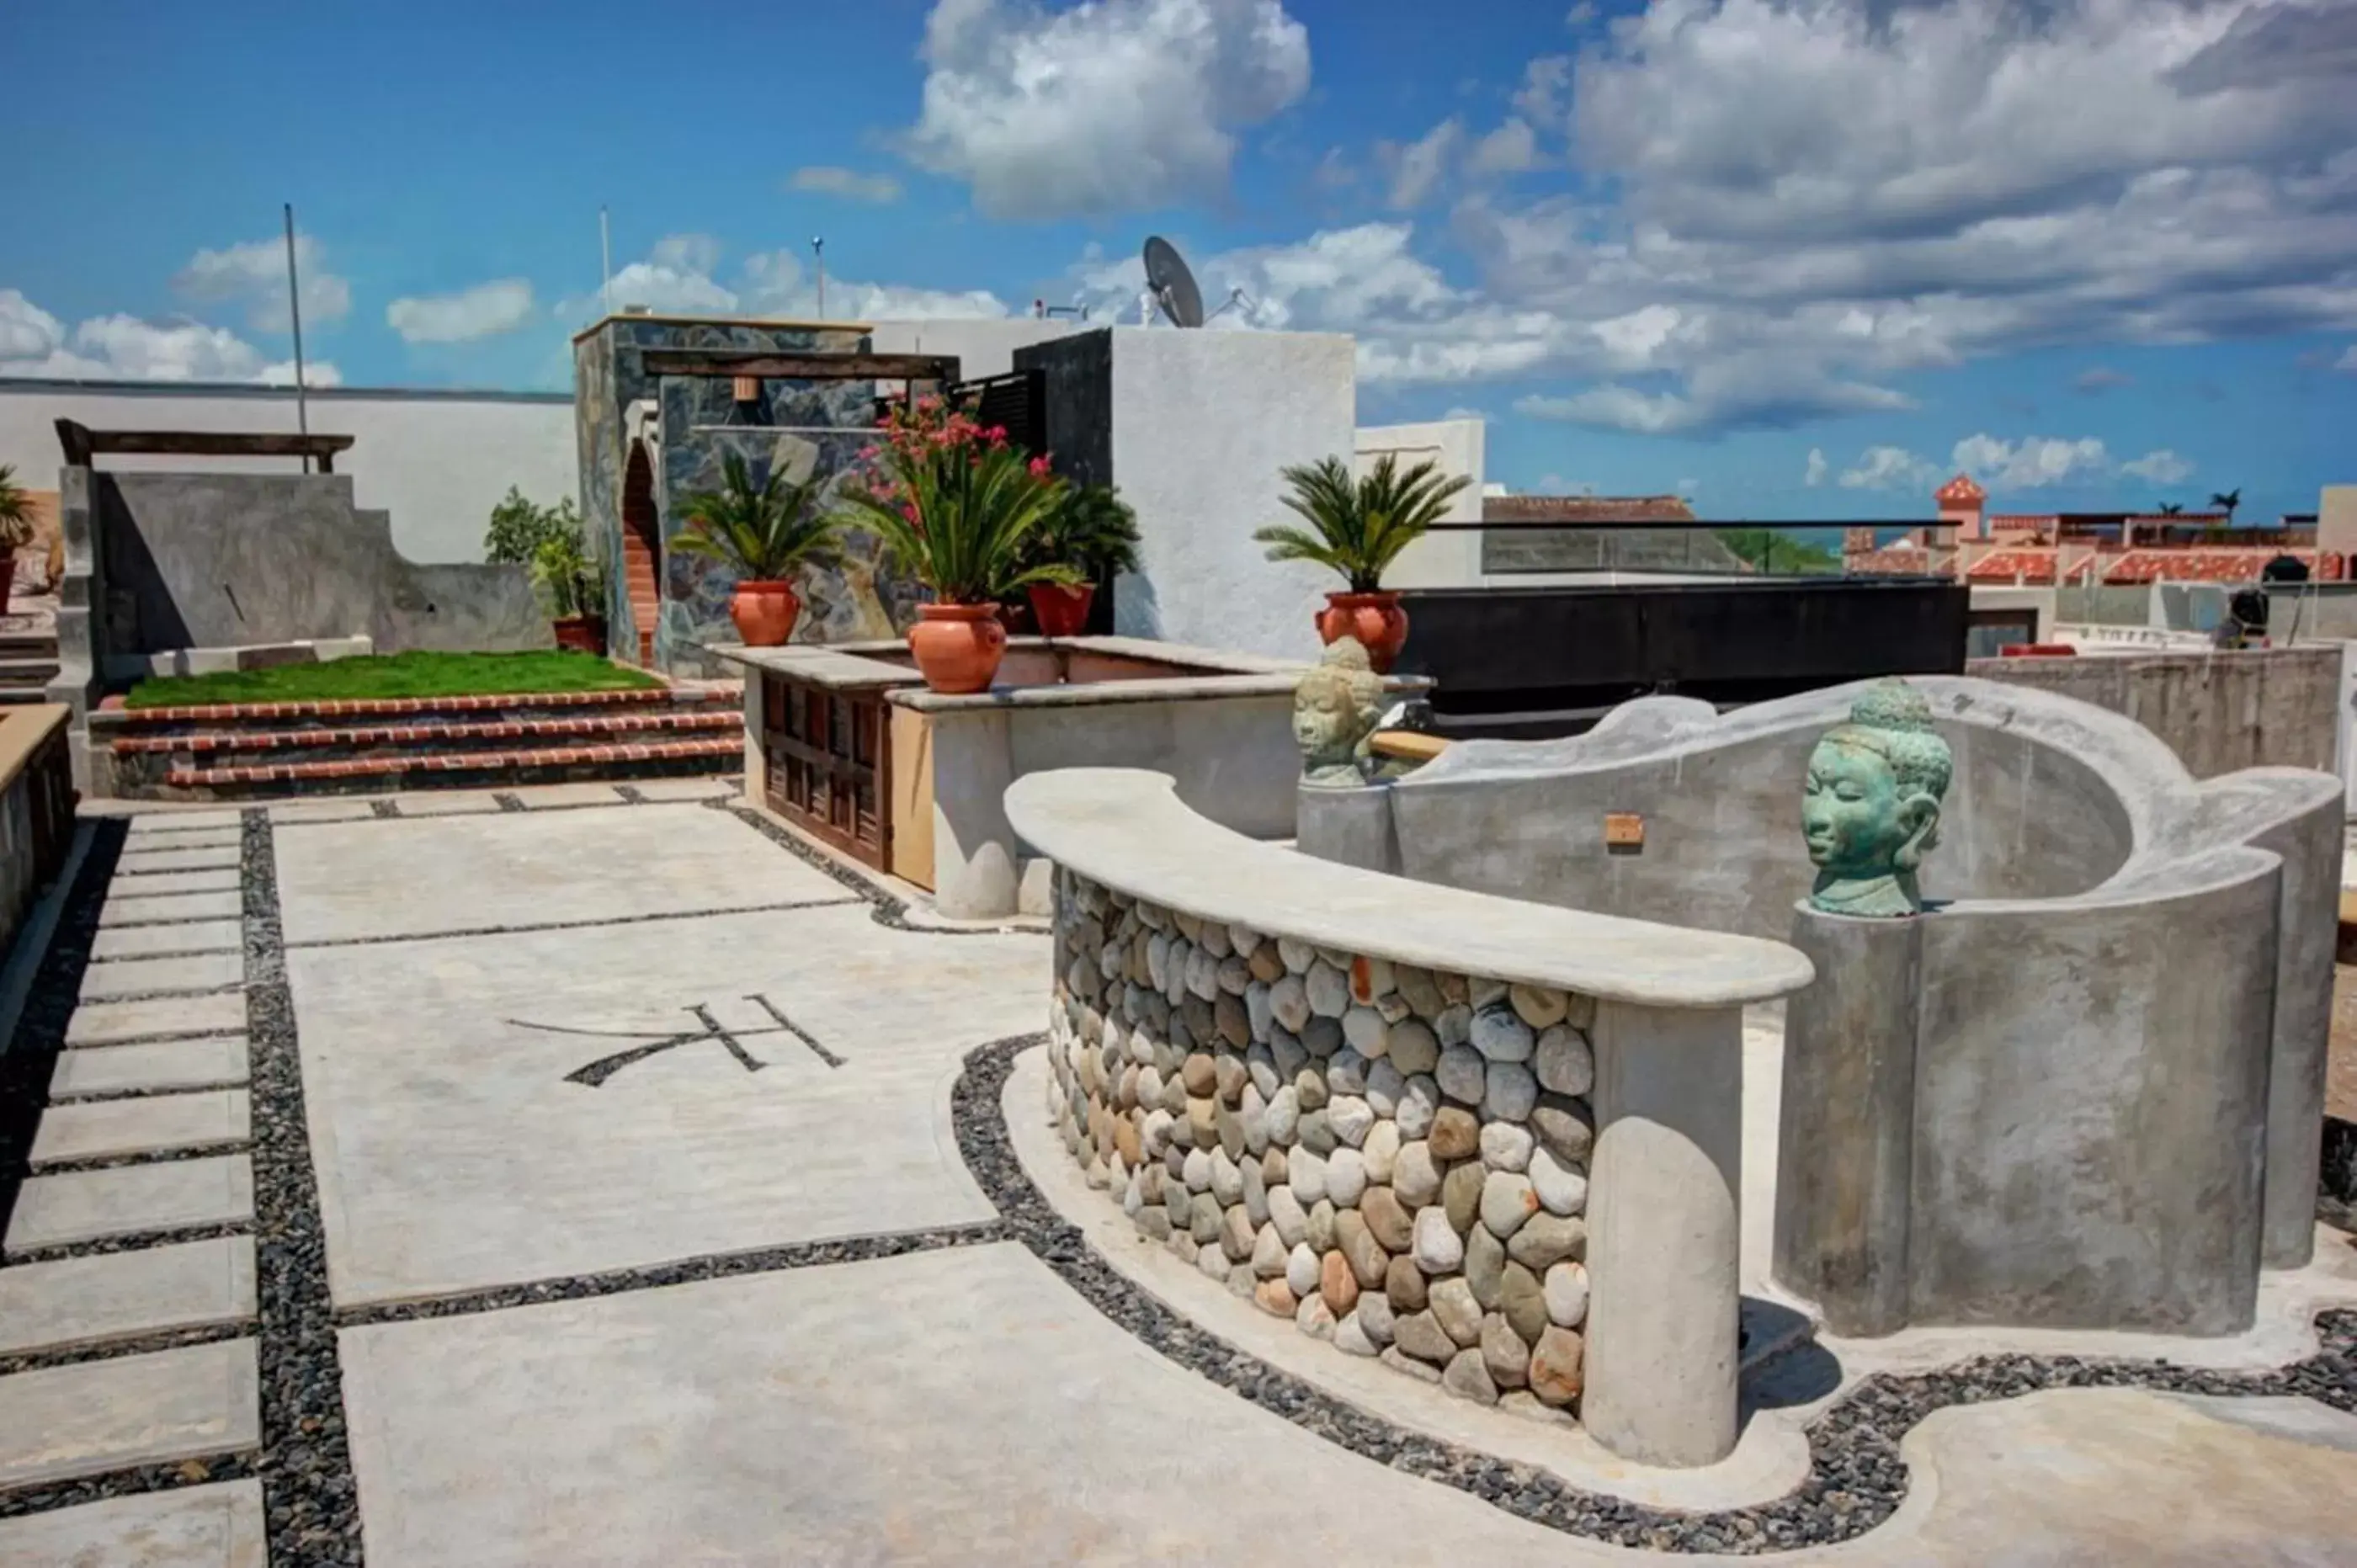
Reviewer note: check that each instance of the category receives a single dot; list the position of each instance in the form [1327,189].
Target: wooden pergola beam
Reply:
[82,443]
[800,367]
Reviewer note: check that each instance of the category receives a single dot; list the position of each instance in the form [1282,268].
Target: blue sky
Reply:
[2100,251]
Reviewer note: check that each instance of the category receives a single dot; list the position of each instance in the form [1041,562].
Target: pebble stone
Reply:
[1436,1246]
[1301,1270]
[1463,1075]
[1485,1267]
[1507,1200]
[1381,1150]
[1412,1047]
[1522,1298]
[1329,989]
[1375,1315]
[1387,1217]
[1511,1093]
[1458,1312]
[1336,1284]
[1419,1103]
[1268,1259]
[1501,1036]
[1351,1338]
[1321,1225]
[1351,1118]
[1506,1146]
[1503,1354]
[1455,1134]
[1461,1195]
[1366,1031]
[1537,1005]
[1285,1212]
[1306,1174]
[1545,1239]
[1556,1362]
[1345,1178]
[1467,1378]
[1420,1334]
[1561,1189]
[1566,1294]
[1564,1062]
[1404,1285]
[1314,1317]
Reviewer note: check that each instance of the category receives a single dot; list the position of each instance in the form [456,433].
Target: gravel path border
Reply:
[310,1495]
[1856,1477]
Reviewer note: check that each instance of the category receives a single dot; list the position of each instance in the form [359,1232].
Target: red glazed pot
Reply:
[7,578]
[1375,619]
[1062,611]
[765,611]
[958,646]
[581,634]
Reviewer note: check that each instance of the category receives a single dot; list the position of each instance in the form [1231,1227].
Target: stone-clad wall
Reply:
[1395,1159]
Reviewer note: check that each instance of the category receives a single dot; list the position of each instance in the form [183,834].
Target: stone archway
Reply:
[642,549]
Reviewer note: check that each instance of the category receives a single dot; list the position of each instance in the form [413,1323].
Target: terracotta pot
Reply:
[1375,619]
[958,646]
[1062,611]
[765,610]
[7,578]
[581,634]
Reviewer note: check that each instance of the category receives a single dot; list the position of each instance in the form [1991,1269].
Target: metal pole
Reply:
[606,260]
[818,248]
[295,314]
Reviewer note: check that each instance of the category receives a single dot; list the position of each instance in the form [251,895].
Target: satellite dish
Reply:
[1172,285]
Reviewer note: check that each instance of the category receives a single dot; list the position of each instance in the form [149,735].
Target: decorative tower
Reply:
[1959,501]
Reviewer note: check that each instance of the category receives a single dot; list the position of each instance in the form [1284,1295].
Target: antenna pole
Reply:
[294,317]
[605,260]
[818,250]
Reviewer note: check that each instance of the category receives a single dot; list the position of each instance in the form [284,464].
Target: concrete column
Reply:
[1350,826]
[1664,1234]
[2307,935]
[1846,1142]
[976,873]
[757,761]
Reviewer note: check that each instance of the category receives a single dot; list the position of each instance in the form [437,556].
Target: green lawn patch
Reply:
[395,675]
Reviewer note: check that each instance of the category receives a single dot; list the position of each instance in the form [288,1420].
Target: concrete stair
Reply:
[277,749]
[28,661]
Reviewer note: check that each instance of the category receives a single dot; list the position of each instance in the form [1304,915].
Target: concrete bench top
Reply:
[1126,829]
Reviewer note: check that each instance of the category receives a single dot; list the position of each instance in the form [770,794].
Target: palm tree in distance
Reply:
[2227,501]
[2170,509]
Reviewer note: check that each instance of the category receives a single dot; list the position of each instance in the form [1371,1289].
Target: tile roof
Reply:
[1959,491]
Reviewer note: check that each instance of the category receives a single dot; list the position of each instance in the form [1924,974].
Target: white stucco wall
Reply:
[1201,424]
[437,461]
[1447,560]
[983,348]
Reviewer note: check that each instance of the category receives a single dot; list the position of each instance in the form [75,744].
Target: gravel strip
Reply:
[382,810]
[886,909]
[1856,1478]
[96,1095]
[508,802]
[687,1271]
[309,1492]
[130,1242]
[212,1151]
[131,1482]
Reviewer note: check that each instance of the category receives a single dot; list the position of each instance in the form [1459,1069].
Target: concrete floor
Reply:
[955,1404]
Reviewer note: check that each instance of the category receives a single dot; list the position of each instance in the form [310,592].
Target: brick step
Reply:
[22,696]
[463,770]
[28,645]
[113,720]
[454,736]
[19,671]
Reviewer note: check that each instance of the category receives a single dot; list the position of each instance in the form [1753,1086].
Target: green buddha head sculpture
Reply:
[1872,806]
[1335,709]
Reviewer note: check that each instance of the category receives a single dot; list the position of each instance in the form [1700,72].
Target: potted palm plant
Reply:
[16,528]
[574,580]
[1360,528]
[763,533]
[958,514]
[1092,531]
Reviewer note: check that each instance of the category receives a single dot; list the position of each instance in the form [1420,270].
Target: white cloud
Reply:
[2162,467]
[679,275]
[2031,462]
[1111,106]
[1462,411]
[1887,469]
[1511,148]
[851,185]
[253,274]
[1417,167]
[2347,363]
[1816,471]
[482,311]
[124,347]
[2101,379]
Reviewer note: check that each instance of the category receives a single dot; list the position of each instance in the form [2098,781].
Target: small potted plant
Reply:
[1092,531]
[16,528]
[957,510]
[763,533]
[575,583]
[1361,527]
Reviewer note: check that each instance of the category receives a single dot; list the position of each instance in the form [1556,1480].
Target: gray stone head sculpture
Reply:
[1871,805]
[1334,711]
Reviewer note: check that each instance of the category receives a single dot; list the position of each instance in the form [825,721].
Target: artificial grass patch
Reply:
[395,675]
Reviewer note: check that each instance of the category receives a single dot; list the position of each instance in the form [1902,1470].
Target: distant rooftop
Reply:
[1561,509]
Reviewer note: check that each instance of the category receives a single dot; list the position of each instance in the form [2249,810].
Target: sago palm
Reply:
[959,517]
[1362,524]
[762,531]
[15,510]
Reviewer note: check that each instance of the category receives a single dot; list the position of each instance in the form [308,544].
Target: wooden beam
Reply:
[800,367]
[83,444]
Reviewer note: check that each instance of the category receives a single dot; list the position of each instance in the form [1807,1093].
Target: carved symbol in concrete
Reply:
[596,1073]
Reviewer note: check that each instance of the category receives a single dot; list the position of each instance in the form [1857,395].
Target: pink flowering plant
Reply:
[956,504]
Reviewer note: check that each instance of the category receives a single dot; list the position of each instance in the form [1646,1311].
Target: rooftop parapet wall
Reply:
[1496,1146]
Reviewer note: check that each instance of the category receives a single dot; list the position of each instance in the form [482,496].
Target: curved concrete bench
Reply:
[1498,1144]
[2084,1090]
